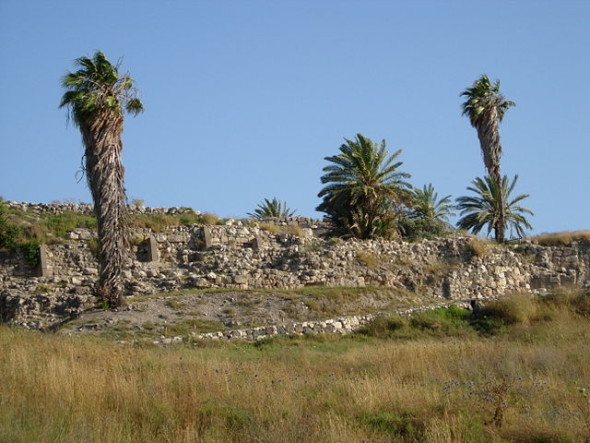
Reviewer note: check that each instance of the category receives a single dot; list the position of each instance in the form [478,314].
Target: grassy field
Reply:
[519,370]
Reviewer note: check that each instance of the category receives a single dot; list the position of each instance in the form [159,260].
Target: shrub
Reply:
[413,229]
[507,311]
[30,250]
[8,233]
[383,327]
[446,321]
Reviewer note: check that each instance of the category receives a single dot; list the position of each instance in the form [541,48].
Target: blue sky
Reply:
[244,99]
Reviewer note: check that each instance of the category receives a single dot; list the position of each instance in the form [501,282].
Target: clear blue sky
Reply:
[244,99]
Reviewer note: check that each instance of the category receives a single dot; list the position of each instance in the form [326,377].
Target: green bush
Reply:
[446,321]
[30,250]
[413,229]
[9,234]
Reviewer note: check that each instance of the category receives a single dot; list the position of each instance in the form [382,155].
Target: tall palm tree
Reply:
[96,97]
[485,106]
[363,188]
[272,208]
[485,207]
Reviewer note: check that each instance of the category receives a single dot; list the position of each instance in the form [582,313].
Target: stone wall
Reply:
[88,209]
[239,256]
[255,255]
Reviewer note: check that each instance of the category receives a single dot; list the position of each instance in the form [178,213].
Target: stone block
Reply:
[152,253]
[43,268]
[207,237]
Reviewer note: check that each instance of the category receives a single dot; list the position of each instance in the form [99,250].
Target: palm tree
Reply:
[363,188]
[485,106]
[426,205]
[484,208]
[96,97]
[272,208]
[428,215]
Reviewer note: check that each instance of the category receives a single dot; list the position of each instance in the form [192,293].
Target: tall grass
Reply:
[523,385]
[564,238]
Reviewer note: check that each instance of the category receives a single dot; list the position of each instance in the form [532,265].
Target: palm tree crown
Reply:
[97,87]
[484,208]
[96,96]
[272,208]
[362,186]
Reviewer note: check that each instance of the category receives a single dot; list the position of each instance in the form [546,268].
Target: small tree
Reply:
[490,200]
[271,209]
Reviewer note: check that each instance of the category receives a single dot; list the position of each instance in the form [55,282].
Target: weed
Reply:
[230,312]
[93,246]
[368,258]
[398,425]
[174,304]
[42,289]
[479,247]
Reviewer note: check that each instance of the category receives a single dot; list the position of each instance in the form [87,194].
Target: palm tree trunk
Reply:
[105,174]
[489,139]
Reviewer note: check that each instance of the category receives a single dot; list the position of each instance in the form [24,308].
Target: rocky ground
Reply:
[182,315]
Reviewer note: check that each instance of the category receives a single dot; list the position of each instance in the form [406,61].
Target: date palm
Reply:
[96,98]
[485,106]
[426,205]
[484,208]
[363,187]
[272,208]
[428,216]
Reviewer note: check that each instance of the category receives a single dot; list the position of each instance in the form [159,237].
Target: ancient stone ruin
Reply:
[290,253]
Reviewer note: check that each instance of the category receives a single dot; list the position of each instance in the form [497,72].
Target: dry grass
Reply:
[295,230]
[479,247]
[565,238]
[368,258]
[521,386]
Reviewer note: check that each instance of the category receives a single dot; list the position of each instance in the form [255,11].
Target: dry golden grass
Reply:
[564,238]
[328,389]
